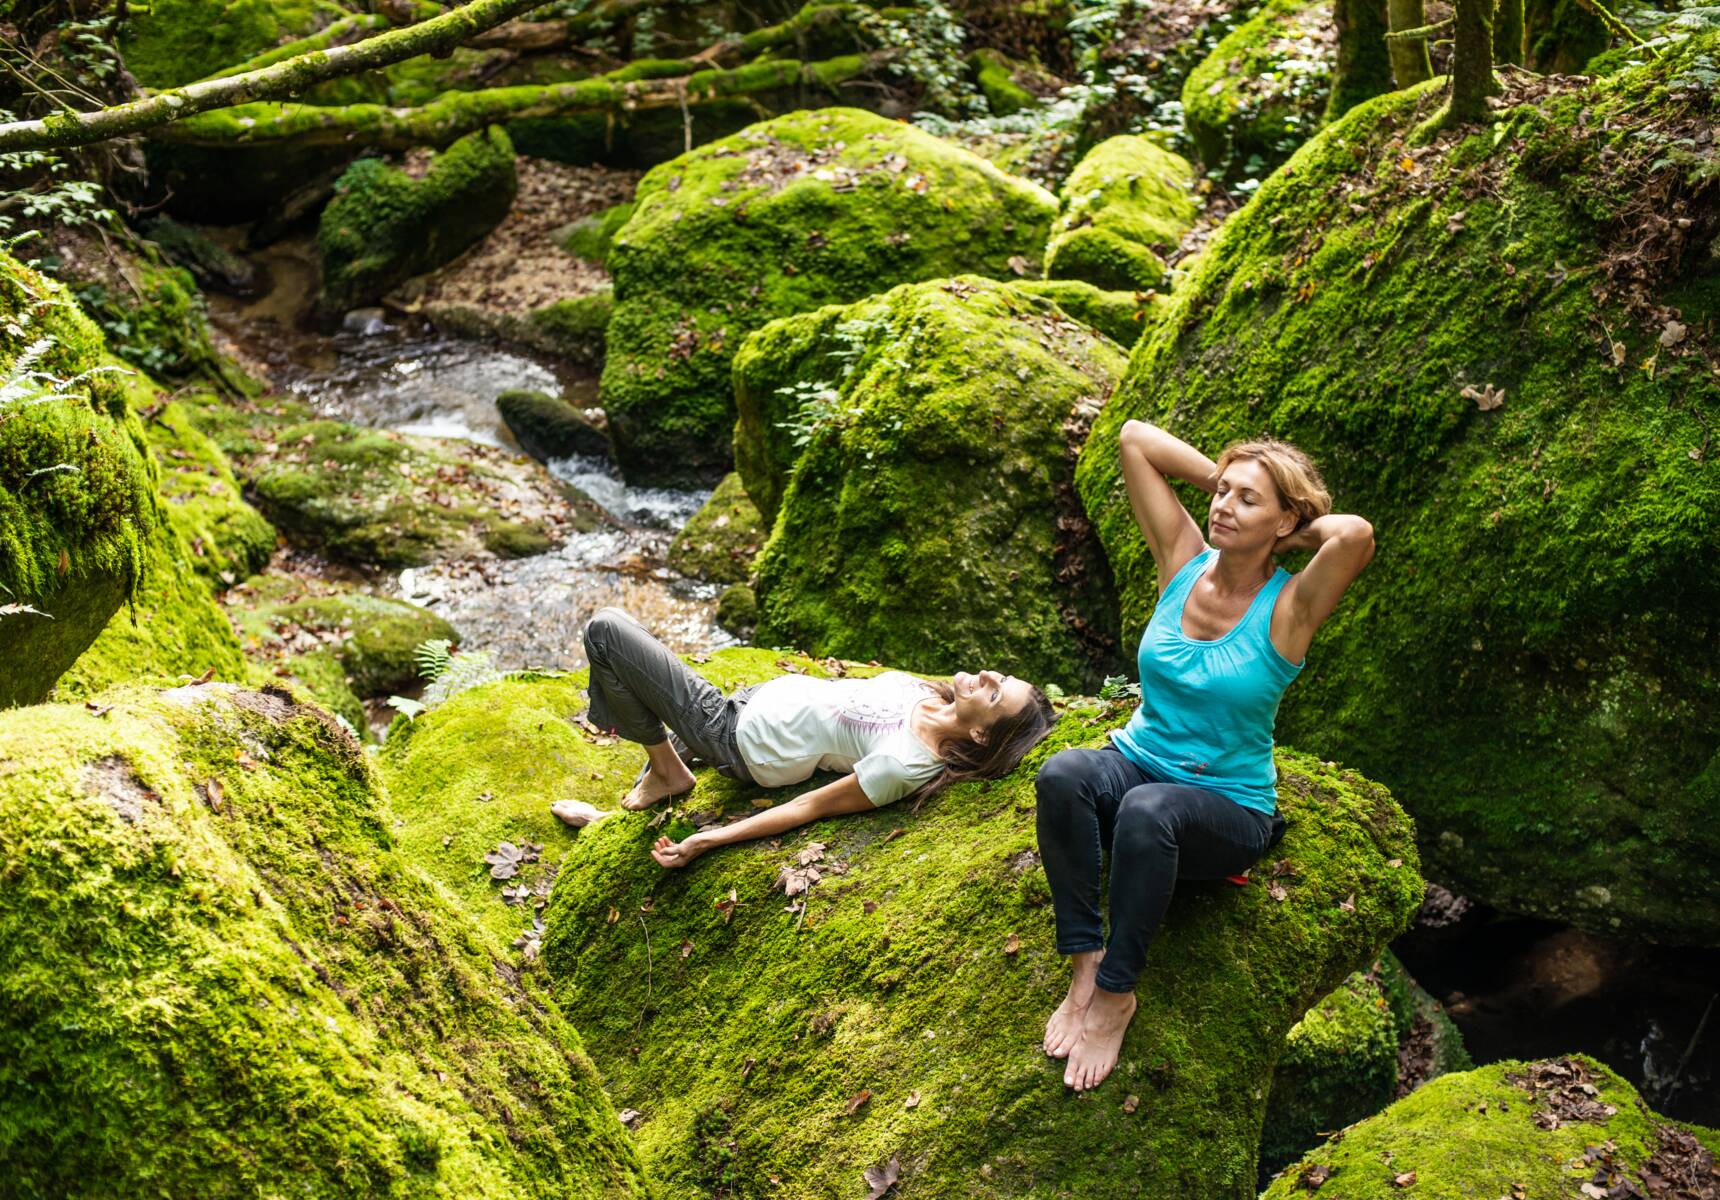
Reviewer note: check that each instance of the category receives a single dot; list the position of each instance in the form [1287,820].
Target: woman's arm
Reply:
[1151,457]
[832,800]
[1343,545]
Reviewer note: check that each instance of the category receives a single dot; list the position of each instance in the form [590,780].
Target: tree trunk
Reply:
[1472,80]
[455,114]
[289,78]
[1364,68]
[1508,32]
[1410,62]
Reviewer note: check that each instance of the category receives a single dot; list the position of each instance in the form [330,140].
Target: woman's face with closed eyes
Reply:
[1247,510]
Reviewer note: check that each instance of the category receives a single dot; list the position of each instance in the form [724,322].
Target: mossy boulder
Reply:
[376,497]
[572,328]
[78,510]
[813,208]
[1121,316]
[385,225]
[720,541]
[340,643]
[737,610]
[1263,89]
[1539,1130]
[174,42]
[894,1012]
[996,76]
[228,540]
[590,237]
[1124,206]
[221,978]
[1518,663]
[914,454]
[548,427]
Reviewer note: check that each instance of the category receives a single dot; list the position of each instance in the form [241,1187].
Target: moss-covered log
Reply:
[218,977]
[914,454]
[814,208]
[898,1016]
[1432,326]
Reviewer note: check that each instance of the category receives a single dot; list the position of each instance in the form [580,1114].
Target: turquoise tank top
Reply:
[1207,708]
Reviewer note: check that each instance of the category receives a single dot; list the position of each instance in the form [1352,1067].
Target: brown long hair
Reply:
[1007,741]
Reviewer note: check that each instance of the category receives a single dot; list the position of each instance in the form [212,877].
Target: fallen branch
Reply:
[289,78]
[1613,24]
[1422,31]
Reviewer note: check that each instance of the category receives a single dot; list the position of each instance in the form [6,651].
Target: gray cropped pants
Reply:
[638,686]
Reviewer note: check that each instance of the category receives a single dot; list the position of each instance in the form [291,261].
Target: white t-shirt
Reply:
[795,725]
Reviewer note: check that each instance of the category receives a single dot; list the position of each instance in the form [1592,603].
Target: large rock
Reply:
[812,208]
[386,224]
[77,487]
[1262,90]
[220,978]
[719,542]
[897,1015]
[549,427]
[1522,663]
[1124,206]
[1541,1130]
[914,454]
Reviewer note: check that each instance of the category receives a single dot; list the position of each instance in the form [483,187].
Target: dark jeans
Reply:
[637,686]
[1157,833]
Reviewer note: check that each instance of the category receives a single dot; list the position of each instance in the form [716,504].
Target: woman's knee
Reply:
[1060,778]
[601,628]
[1150,809]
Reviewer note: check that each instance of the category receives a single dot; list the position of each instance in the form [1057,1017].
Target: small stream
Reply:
[392,372]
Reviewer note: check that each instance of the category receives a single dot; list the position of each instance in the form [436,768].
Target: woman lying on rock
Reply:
[890,736]
[1186,789]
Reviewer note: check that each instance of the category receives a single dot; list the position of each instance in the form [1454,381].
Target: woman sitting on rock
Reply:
[1186,789]
[890,736]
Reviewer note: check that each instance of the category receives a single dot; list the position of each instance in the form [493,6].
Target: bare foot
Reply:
[1094,1054]
[669,853]
[578,813]
[1065,1024]
[654,787]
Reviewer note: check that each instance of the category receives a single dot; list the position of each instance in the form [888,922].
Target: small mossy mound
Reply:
[590,237]
[220,978]
[1127,203]
[721,540]
[1121,316]
[548,427]
[995,74]
[895,1010]
[1378,1036]
[737,610]
[342,644]
[1540,1130]
[813,208]
[375,497]
[1262,91]
[1534,452]
[385,226]
[914,453]
[78,510]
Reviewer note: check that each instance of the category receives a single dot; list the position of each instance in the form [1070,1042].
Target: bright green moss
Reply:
[812,208]
[226,539]
[590,237]
[995,74]
[383,226]
[219,978]
[1121,316]
[921,975]
[168,43]
[1123,206]
[1262,91]
[1475,1134]
[1520,661]
[737,610]
[721,540]
[914,454]
[77,488]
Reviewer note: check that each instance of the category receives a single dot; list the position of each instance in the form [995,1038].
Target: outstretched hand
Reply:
[670,853]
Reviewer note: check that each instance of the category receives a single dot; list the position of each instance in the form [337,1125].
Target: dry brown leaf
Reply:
[1407,1179]
[1672,333]
[882,1178]
[912,1102]
[857,1101]
[1012,944]
[1131,1104]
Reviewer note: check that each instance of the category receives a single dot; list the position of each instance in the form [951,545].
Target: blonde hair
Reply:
[1300,488]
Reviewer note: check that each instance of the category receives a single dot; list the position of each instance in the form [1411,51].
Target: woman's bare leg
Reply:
[1065,1024]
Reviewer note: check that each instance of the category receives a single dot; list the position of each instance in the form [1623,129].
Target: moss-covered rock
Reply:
[996,76]
[377,497]
[737,610]
[173,42]
[572,328]
[384,225]
[914,454]
[342,644]
[1121,316]
[721,540]
[590,237]
[1518,663]
[812,208]
[221,978]
[77,487]
[1543,1131]
[548,427]
[898,1014]
[1263,89]
[227,539]
[1127,203]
